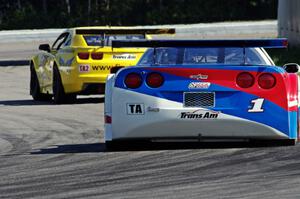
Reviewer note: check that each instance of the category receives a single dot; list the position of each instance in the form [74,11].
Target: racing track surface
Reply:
[57,151]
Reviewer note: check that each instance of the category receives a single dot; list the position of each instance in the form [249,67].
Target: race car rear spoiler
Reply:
[126,31]
[243,43]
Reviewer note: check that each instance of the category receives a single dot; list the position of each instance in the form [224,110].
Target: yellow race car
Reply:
[80,59]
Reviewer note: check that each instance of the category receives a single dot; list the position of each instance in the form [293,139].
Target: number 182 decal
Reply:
[257,106]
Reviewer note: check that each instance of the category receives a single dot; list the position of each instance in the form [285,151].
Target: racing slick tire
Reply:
[35,87]
[59,95]
[280,142]
[121,145]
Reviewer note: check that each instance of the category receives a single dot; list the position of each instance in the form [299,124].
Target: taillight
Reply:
[266,81]
[133,80]
[107,119]
[245,80]
[83,55]
[97,56]
[154,80]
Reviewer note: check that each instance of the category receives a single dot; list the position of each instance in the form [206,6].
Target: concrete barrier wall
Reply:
[23,44]
[289,21]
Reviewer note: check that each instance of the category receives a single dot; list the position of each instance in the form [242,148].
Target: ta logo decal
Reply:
[135,109]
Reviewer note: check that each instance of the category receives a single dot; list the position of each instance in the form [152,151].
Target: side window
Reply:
[68,40]
[60,41]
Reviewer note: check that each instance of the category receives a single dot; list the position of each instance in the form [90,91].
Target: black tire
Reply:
[110,146]
[59,95]
[35,91]
[118,145]
[290,142]
[280,142]
[121,145]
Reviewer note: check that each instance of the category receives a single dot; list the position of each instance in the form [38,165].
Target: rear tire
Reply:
[120,145]
[290,142]
[59,95]
[280,142]
[58,90]
[35,90]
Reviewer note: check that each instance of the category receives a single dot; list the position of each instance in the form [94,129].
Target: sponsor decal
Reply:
[199,76]
[63,62]
[135,109]
[199,85]
[257,105]
[151,109]
[199,114]
[84,68]
[99,68]
[124,57]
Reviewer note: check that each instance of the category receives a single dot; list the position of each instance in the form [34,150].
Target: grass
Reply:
[284,56]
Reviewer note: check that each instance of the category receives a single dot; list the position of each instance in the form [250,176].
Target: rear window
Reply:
[94,40]
[232,56]
[101,40]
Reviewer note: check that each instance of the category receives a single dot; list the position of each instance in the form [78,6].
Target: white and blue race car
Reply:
[203,90]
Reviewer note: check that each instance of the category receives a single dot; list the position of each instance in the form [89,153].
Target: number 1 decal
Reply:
[257,105]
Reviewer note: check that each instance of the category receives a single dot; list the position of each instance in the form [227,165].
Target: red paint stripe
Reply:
[292,87]
[227,78]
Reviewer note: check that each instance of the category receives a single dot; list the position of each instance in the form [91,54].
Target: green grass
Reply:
[283,56]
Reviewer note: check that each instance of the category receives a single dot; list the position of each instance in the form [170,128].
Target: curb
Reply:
[14,62]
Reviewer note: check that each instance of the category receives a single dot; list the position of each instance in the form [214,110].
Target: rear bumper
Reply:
[168,124]
[83,83]
[162,118]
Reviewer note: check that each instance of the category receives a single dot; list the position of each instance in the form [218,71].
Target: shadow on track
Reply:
[29,102]
[73,148]
[101,147]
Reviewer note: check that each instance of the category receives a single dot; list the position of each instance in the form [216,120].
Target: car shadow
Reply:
[89,100]
[72,148]
[30,102]
[101,147]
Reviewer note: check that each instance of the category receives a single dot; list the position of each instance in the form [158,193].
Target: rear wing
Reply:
[242,43]
[114,31]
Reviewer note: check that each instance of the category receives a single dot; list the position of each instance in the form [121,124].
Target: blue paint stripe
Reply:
[228,101]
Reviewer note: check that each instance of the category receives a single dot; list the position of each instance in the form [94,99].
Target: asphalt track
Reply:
[57,151]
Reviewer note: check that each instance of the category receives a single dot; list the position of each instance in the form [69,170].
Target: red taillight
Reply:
[97,56]
[133,80]
[107,119]
[285,43]
[266,81]
[245,80]
[83,55]
[154,80]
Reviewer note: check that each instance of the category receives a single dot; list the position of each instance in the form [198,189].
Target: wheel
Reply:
[58,90]
[290,142]
[59,95]
[118,145]
[35,91]
[111,146]
[121,145]
[280,142]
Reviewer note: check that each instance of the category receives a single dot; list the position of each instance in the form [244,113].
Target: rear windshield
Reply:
[101,40]
[232,56]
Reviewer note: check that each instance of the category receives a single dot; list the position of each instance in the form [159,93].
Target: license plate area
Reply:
[199,99]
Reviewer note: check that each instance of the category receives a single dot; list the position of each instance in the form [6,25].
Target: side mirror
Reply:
[291,67]
[44,47]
